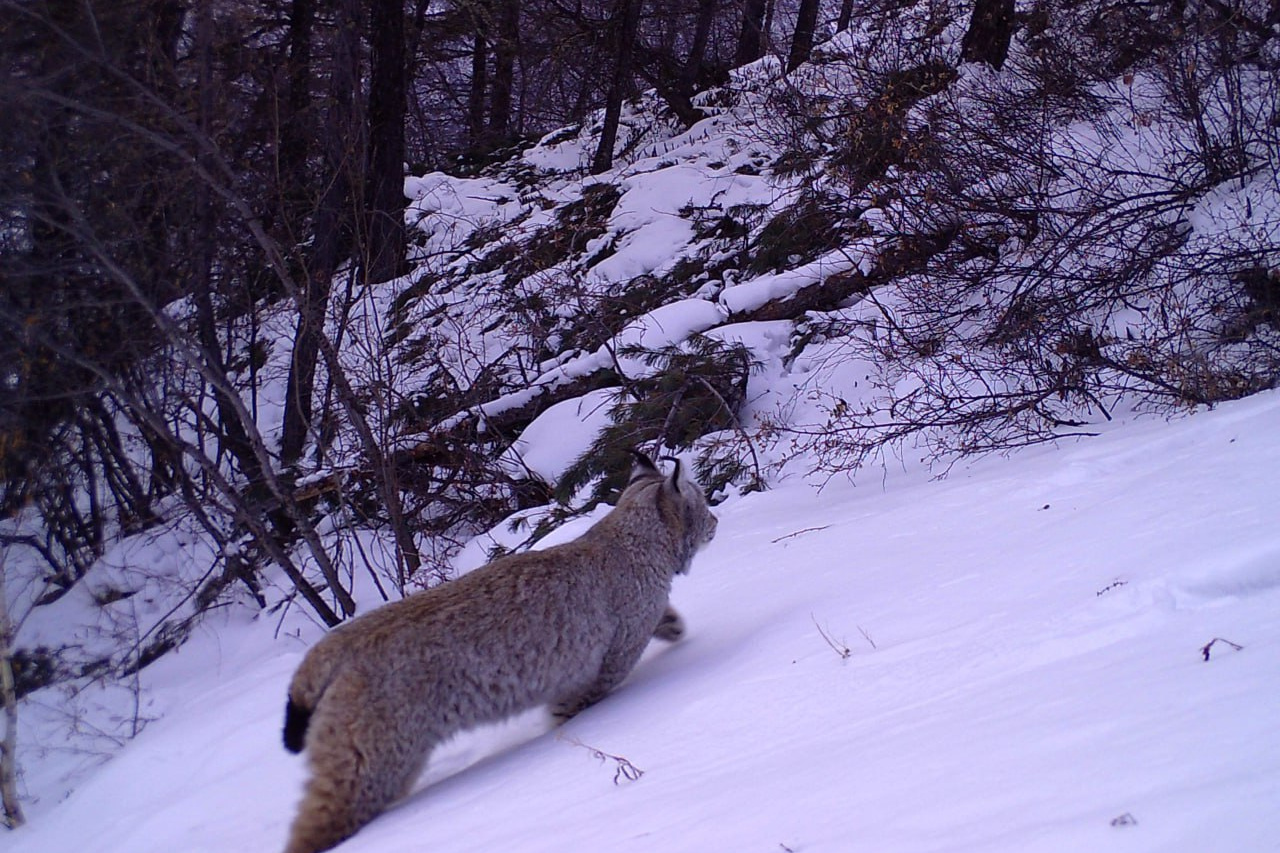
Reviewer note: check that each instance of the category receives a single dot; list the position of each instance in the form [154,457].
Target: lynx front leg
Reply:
[618,663]
[670,627]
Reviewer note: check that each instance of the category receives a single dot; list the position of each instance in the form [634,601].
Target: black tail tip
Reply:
[296,719]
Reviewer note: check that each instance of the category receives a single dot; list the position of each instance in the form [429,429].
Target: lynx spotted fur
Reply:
[559,627]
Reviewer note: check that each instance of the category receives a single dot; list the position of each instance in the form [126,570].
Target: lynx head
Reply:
[681,501]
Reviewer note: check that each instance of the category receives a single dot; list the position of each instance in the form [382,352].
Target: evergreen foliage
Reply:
[695,388]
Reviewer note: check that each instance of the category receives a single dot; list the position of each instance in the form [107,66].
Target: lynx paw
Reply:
[670,627]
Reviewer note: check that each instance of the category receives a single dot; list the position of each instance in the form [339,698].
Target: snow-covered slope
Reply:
[1009,659]
[1014,659]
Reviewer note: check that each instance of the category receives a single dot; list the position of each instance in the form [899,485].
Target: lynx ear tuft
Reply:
[644,465]
[674,480]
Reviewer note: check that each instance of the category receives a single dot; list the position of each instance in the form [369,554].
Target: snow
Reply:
[648,216]
[664,326]
[558,436]
[448,208]
[751,295]
[670,324]
[1012,661]
[1007,659]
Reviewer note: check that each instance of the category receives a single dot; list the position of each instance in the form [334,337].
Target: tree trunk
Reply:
[479,85]
[802,42]
[385,201]
[751,36]
[294,152]
[627,25]
[846,16]
[505,49]
[990,31]
[232,437]
[13,817]
[670,86]
[332,232]
[693,74]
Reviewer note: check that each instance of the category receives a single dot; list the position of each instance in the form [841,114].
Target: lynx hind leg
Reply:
[670,627]
[361,762]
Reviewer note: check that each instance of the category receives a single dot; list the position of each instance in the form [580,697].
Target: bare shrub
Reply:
[1101,244]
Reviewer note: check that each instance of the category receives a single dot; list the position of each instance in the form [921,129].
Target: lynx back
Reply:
[559,627]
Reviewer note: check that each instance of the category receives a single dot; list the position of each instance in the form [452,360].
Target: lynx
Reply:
[559,627]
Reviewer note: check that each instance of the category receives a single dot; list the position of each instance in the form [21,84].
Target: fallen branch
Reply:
[624,770]
[838,647]
[800,533]
[1116,584]
[1204,650]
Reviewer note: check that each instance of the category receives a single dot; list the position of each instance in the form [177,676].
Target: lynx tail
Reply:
[296,719]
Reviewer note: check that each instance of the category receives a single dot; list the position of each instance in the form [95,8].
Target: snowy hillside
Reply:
[1014,660]
[836,286]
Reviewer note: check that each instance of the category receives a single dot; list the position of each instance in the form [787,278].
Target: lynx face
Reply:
[699,518]
[699,522]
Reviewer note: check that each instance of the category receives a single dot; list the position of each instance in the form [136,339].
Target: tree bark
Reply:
[990,31]
[232,437]
[384,187]
[846,16]
[13,817]
[294,152]
[505,49]
[751,36]
[695,73]
[627,25]
[479,85]
[334,222]
[802,41]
